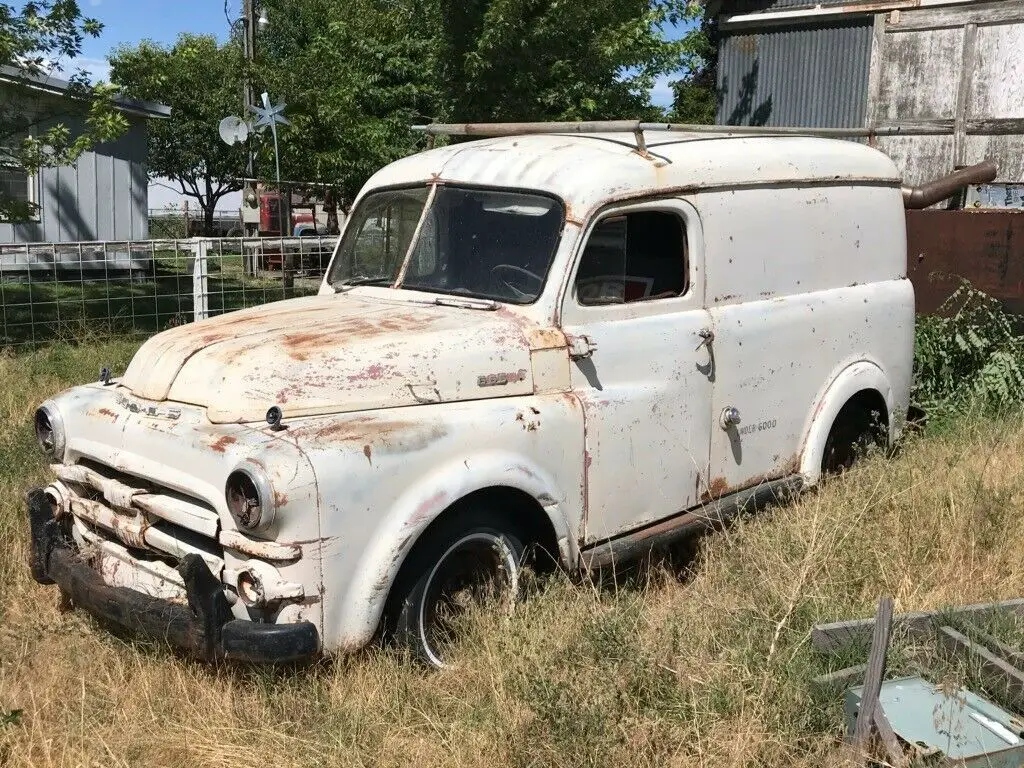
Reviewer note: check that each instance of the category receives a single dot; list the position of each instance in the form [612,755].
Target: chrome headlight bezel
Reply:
[250,497]
[50,431]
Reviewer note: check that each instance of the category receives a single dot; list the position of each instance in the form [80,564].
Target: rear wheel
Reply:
[858,426]
[468,559]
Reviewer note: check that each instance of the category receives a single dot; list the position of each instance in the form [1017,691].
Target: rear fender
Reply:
[851,380]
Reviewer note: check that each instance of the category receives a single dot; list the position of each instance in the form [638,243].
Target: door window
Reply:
[636,256]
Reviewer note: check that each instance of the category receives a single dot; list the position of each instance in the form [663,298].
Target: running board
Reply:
[635,544]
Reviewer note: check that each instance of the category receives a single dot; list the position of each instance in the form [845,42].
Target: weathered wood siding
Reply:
[960,71]
[954,74]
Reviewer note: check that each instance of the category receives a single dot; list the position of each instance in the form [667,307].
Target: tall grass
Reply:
[694,663]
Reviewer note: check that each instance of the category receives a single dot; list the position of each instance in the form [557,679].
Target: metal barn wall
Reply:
[812,75]
[103,197]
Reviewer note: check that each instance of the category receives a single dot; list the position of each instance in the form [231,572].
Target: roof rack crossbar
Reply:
[638,127]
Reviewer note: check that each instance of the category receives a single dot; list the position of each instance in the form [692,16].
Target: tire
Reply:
[855,430]
[465,557]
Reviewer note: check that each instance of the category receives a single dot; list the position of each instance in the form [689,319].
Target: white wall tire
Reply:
[462,561]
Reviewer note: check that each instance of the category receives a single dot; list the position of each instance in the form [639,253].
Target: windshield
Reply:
[485,244]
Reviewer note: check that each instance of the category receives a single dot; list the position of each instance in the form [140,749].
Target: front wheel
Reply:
[462,562]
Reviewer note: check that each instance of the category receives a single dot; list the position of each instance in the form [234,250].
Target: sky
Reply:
[130,21]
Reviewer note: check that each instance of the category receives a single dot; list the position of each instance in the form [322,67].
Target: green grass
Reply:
[64,306]
[703,662]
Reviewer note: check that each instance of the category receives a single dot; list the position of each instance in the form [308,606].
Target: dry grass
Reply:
[711,668]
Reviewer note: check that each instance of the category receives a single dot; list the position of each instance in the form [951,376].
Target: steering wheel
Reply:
[521,272]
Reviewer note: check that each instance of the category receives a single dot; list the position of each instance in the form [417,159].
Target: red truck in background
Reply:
[301,220]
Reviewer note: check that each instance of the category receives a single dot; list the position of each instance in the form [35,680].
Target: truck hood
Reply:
[335,353]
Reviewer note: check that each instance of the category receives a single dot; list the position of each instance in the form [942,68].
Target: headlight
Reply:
[250,498]
[50,430]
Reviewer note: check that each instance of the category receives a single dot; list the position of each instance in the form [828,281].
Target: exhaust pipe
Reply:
[942,188]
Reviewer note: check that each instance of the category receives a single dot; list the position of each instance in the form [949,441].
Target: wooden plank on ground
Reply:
[999,674]
[1013,655]
[839,634]
[893,750]
[841,678]
[873,677]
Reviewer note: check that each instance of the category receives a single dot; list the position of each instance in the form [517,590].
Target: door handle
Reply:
[729,417]
[581,347]
[706,337]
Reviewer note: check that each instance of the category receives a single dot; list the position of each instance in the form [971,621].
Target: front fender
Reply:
[848,382]
[420,504]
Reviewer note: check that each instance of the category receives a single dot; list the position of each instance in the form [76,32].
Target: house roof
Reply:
[59,87]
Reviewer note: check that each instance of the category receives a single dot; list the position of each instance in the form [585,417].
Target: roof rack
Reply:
[637,127]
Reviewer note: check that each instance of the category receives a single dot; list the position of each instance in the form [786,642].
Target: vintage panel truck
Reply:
[580,343]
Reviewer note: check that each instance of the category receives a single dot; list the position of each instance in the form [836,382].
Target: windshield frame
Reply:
[433,186]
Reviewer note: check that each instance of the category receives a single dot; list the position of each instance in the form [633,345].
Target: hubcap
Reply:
[475,568]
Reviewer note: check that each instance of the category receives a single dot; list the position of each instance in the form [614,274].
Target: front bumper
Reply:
[204,628]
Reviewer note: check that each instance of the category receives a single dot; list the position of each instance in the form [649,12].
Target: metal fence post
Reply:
[200,291]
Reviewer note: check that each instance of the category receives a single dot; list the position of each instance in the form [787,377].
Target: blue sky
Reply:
[129,21]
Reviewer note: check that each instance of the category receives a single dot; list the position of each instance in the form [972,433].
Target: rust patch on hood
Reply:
[221,443]
[299,346]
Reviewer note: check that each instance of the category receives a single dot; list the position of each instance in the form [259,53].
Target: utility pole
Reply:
[250,217]
[248,93]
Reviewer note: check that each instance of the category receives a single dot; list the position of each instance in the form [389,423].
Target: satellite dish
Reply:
[233,130]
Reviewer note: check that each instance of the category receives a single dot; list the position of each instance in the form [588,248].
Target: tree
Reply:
[521,60]
[695,96]
[202,83]
[35,131]
[355,75]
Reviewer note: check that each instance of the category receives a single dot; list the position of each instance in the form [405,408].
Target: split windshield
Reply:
[478,243]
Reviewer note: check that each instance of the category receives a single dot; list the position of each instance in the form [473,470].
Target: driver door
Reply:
[635,312]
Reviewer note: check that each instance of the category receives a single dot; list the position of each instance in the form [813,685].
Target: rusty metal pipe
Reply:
[522,129]
[939,189]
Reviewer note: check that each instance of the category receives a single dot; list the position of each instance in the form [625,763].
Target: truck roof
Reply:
[586,169]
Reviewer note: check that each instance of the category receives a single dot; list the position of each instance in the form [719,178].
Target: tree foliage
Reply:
[695,95]
[356,75]
[39,130]
[201,81]
[554,59]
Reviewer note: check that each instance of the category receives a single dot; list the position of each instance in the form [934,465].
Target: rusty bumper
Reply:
[204,628]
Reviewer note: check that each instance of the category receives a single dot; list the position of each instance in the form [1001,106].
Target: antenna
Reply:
[233,130]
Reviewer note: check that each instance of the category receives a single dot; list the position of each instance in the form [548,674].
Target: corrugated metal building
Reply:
[104,196]
[948,75]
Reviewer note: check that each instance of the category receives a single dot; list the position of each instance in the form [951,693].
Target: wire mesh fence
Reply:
[70,291]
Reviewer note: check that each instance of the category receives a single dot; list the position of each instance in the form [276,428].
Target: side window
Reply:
[637,256]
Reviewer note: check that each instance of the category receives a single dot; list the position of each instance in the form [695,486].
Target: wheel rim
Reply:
[472,569]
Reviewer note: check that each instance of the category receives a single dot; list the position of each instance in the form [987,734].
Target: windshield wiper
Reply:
[452,301]
[352,282]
